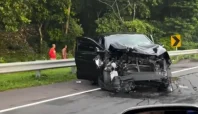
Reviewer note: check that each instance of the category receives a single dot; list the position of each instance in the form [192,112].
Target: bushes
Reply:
[189,45]
[166,42]
[2,60]
[185,45]
[14,47]
[109,24]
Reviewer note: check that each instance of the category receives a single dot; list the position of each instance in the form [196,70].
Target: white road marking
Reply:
[48,100]
[70,95]
[184,87]
[184,69]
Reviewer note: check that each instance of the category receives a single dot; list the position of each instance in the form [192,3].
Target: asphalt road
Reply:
[97,102]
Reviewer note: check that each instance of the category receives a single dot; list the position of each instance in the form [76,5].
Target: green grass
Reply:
[175,78]
[28,79]
[192,57]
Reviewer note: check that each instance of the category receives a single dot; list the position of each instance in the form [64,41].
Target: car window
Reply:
[86,46]
[101,42]
[128,39]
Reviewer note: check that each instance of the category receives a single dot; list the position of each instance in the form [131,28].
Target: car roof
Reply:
[117,33]
[106,36]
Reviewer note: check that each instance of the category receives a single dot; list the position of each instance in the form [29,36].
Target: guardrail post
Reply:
[38,73]
[195,56]
[73,70]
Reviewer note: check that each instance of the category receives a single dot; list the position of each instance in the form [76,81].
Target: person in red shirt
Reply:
[52,52]
[64,52]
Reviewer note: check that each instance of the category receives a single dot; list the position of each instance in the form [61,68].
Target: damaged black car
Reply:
[122,62]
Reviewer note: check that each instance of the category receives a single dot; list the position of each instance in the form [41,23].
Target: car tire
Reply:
[104,80]
[101,84]
[106,77]
[78,75]
[94,82]
[166,86]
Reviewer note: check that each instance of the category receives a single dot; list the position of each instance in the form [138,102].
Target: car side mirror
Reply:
[97,50]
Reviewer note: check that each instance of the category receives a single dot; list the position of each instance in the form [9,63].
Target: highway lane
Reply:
[103,102]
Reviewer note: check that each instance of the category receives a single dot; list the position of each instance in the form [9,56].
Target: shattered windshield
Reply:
[127,40]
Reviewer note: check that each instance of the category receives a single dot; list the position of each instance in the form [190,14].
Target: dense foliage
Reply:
[28,28]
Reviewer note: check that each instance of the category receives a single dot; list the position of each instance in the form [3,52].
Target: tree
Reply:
[181,17]
[63,26]
[14,14]
[40,15]
[110,24]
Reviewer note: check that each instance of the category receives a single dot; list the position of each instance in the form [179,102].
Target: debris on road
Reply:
[184,87]
[78,81]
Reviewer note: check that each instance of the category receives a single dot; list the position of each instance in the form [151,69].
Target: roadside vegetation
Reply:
[190,57]
[28,79]
[28,28]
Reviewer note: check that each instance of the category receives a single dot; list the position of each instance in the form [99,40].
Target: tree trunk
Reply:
[41,36]
[134,10]
[67,23]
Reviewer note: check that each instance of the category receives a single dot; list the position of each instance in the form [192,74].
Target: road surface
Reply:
[65,98]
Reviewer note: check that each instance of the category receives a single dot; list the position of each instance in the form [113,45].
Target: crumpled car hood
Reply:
[151,49]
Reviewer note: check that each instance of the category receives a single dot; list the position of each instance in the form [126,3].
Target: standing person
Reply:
[52,52]
[64,52]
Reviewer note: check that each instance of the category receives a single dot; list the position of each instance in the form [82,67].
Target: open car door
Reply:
[85,53]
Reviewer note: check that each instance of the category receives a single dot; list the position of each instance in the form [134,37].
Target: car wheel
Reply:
[101,84]
[104,81]
[166,85]
[78,75]
[106,77]
[94,82]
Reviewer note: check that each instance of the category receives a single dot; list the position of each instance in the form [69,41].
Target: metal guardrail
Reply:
[48,64]
[35,65]
[183,52]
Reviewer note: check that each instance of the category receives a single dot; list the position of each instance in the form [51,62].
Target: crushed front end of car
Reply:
[123,68]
